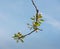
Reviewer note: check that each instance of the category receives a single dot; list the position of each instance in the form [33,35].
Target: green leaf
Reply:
[37,24]
[39,16]
[23,37]
[15,38]
[29,24]
[41,20]
[32,18]
[19,34]
[15,35]
[21,40]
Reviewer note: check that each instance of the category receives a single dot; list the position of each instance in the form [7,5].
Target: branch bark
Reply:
[27,34]
[36,10]
[30,33]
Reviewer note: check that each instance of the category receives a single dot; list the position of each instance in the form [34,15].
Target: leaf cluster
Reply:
[35,24]
[19,37]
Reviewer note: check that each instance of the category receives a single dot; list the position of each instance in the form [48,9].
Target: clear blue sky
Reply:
[15,14]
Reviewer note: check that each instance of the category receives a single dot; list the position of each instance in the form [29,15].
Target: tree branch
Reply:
[34,5]
[27,34]
[36,10]
[36,17]
[30,33]
[36,21]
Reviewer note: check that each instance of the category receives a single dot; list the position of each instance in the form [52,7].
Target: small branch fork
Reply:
[36,18]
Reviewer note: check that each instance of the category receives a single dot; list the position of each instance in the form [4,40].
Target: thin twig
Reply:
[26,34]
[36,10]
[35,5]
[30,33]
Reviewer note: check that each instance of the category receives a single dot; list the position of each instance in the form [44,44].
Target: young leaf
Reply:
[37,24]
[32,18]
[19,34]
[41,20]
[39,16]
[15,35]
[21,40]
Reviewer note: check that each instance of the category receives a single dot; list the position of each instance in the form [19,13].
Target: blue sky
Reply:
[15,14]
